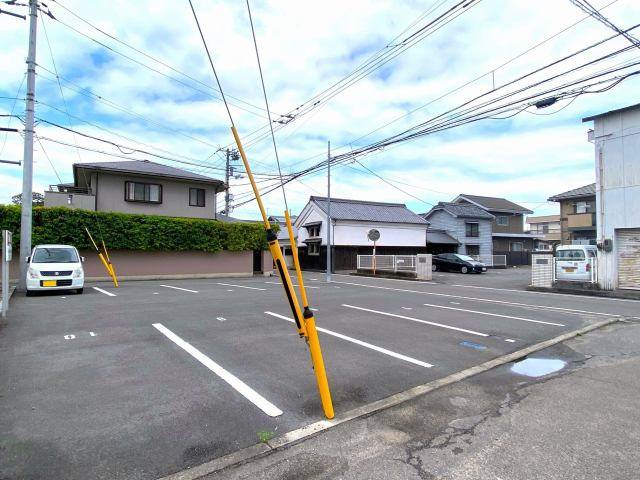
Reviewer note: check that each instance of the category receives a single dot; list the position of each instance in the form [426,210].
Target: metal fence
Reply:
[389,263]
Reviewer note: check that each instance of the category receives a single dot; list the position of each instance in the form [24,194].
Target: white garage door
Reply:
[629,258]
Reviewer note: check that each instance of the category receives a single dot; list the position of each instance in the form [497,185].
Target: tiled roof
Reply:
[586,191]
[440,236]
[342,209]
[462,210]
[145,167]
[495,203]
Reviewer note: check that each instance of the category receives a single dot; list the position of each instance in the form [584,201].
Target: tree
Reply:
[37,199]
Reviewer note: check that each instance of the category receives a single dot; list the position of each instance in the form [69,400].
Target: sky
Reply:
[114,92]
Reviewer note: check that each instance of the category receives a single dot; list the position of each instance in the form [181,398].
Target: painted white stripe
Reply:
[280,283]
[241,387]
[179,288]
[544,293]
[241,286]
[485,288]
[477,312]
[571,311]
[472,332]
[104,291]
[361,343]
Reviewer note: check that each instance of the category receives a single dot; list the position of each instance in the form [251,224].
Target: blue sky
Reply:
[305,48]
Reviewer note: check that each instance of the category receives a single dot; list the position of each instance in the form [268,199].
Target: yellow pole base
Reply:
[318,367]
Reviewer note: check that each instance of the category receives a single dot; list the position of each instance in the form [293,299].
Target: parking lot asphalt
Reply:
[158,376]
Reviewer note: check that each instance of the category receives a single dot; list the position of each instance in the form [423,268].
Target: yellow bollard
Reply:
[305,322]
[312,333]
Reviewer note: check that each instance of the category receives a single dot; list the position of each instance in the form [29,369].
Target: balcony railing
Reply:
[62,188]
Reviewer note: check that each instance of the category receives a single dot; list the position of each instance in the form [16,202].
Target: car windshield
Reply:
[466,258]
[55,255]
[570,255]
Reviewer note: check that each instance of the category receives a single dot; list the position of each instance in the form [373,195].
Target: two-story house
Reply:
[507,229]
[138,186]
[548,230]
[577,215]
[468,224]
[402,232]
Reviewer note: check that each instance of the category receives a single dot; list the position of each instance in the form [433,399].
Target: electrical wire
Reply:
[266,102]
[13,107]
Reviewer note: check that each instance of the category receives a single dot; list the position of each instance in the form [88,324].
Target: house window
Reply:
[502,220]
[142,192]
[516,246]
[473,250]
[472,229]
[196,197]
[583,207]
[545,229]
[314,230]
[313,248]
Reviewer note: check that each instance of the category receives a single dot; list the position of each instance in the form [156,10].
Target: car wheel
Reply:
[434,268]
[30,293]
[79,291]
[464,269]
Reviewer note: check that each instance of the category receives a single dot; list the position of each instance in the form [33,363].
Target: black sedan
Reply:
[455,262]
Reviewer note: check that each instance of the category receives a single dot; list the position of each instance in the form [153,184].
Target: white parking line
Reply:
[180,288]
[241,387]
[240,286]
[104,291]
[494,315]
[361,343]
[571,311]
[418,320]
[280,283]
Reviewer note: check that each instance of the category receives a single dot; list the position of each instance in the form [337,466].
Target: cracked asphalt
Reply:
[581,422]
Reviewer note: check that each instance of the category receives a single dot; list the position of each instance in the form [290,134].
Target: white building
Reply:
[401,231]
[616,136]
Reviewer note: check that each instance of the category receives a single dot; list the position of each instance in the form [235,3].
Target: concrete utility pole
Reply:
[27,166]
[328,211]
[232,156]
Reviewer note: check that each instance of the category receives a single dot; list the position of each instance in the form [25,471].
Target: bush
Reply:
[123,231]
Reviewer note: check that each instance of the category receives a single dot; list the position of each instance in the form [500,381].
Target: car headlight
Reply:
[33,273]
[77,273]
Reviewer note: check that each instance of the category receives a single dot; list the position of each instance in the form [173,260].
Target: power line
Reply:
[266,102]
[585,6]
[13,107]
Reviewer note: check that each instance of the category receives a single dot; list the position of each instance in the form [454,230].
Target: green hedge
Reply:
[122,231]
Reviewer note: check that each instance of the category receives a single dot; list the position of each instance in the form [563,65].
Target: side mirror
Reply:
[82,259]
[27,259]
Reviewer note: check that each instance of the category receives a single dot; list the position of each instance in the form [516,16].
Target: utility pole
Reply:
[328,211]
[232,156]
[226,182]
[27,166]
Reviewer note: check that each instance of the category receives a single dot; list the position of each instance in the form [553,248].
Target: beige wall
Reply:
[135,264]
[175,197]
[78,200]
[516,223]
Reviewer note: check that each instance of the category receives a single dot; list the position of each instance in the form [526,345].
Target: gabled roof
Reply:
[543,219]
[145,167]
[343,209]
[460,210]
[580,192]
[440,236]
[617,110]
[492,204]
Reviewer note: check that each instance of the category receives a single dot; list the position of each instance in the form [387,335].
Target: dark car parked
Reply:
[455,262]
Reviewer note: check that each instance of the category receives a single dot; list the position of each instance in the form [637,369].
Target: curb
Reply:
[295,436]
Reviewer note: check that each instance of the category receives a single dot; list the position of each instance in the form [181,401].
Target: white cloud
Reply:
[304,48]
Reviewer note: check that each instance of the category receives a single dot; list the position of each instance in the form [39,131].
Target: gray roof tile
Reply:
[342,209]
[145,167]
[585,191]
[495,203]
[462,210]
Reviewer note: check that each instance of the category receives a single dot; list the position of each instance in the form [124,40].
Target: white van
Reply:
[55,267]
[576,263]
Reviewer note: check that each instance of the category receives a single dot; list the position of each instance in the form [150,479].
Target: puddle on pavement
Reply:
[538,367]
